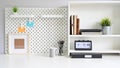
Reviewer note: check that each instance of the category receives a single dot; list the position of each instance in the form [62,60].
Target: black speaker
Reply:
[85,55]
[97,56]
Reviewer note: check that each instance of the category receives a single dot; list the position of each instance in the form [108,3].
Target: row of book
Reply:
[74,25]
[75,28]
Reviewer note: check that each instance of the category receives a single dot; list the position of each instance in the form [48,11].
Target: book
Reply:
[70,25]
[74,24]
[91,33]
[77,26]
[90,30]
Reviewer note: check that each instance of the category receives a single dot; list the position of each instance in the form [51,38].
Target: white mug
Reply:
[52,52]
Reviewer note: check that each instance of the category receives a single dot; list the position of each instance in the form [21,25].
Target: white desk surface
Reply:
[36,61]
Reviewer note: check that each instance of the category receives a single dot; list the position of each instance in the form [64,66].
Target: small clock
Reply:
[83,45]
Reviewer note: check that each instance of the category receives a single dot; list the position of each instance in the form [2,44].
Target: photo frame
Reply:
[18,44]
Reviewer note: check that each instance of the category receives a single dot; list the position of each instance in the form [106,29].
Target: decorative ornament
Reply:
[21,28]
[29,23]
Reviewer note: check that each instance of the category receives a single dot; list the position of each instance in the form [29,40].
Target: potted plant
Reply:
[15,10]
[106,26]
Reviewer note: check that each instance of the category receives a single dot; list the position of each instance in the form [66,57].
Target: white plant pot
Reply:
[106,30]
[15,13]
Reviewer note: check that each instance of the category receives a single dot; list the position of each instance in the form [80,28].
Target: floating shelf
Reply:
[102,51]
[21,16]
[94,35]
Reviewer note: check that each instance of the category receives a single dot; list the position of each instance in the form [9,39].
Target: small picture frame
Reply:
[18,44]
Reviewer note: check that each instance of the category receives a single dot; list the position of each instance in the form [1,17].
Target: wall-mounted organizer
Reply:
[90,13]
[45,33]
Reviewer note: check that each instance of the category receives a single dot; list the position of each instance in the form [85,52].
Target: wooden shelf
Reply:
[102,51]
[94,35]
[21,16]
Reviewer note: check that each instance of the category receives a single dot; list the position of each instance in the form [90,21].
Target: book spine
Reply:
[74,24]
[71,25]
[77,26]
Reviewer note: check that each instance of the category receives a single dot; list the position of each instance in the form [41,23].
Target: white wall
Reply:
[31,4]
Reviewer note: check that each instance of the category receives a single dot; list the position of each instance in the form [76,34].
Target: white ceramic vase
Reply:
[52,52]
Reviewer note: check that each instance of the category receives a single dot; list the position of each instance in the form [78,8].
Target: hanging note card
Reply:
[21,29]
[30,24]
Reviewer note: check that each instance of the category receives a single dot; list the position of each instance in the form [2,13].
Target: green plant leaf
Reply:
[105,22]
[15,9]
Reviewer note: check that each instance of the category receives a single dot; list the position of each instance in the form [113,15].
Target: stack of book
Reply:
[74,25]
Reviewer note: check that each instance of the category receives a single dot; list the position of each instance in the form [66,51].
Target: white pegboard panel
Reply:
[46,31]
